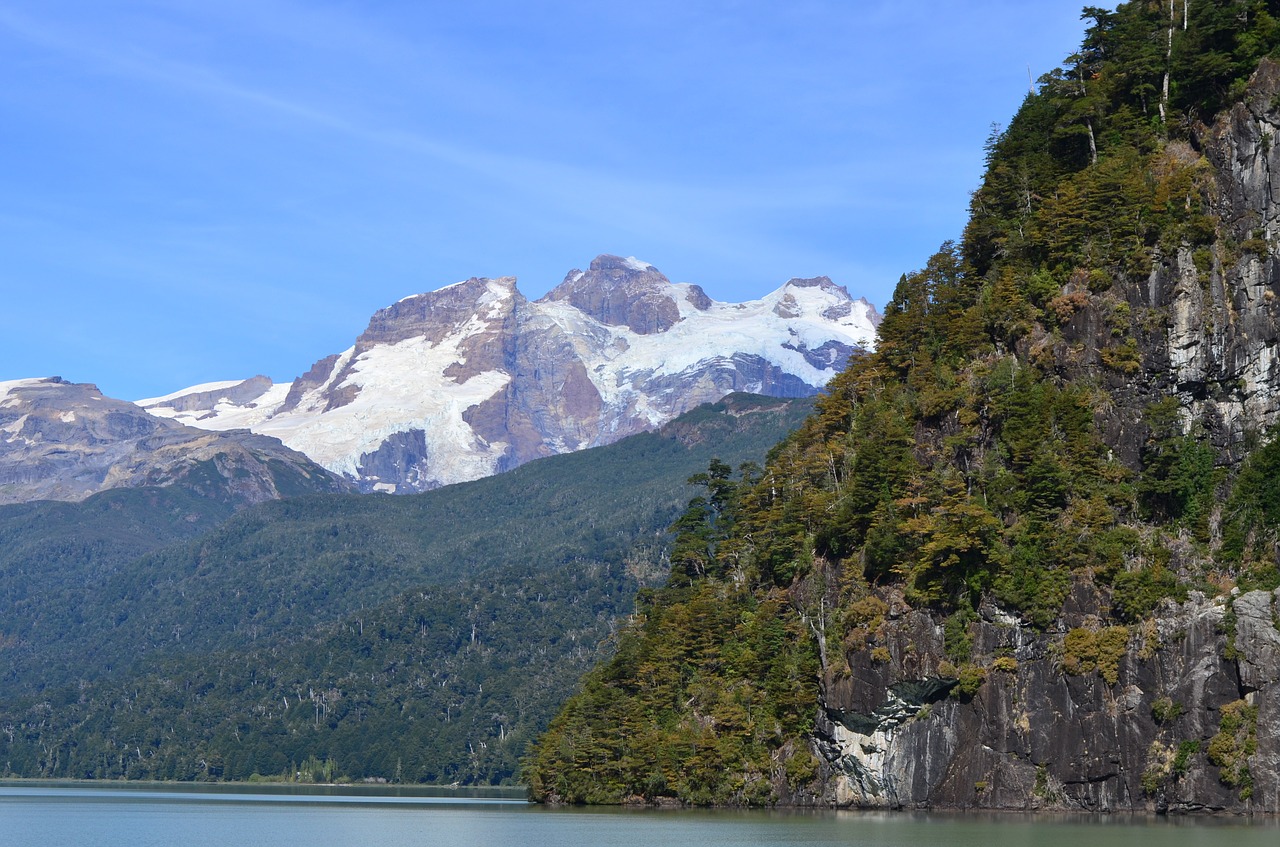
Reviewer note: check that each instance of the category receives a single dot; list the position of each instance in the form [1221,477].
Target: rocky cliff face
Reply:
[626,292]
[64,441]
[475,379]
[1205,326]
[1182,712]
[1157,717]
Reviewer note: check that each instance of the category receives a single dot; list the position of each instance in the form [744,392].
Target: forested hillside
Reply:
[421,638]
[1017,513]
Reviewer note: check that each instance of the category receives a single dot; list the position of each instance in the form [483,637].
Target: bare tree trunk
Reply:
[1088,122]
[819,631]
[1168,56]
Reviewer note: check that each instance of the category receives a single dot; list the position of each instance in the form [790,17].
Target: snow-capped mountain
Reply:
[66,441]
[475,379]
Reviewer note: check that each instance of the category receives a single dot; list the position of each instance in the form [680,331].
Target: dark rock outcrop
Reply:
[624,292]
[1130,733]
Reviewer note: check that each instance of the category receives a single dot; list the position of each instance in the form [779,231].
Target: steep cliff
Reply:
[1202,325]
[1027,553]
[1176,714]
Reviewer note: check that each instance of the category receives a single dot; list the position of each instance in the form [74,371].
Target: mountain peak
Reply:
[65,441]
[823,283]
[7,387]
[621,292]
[436,314]
[814,297]
[609,262]
[472,379]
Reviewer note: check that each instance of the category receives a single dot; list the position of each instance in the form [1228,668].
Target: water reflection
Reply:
[132,815]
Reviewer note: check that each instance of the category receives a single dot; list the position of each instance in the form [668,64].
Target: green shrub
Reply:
[958,640]
[1086,650]
[1235,741]
[971,679]
[1165,710]
[1182,760]
[1005,664]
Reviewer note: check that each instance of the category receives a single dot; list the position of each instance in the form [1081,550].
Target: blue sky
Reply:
[195,190]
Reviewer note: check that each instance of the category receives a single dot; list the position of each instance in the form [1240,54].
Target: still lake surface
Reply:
[160,816]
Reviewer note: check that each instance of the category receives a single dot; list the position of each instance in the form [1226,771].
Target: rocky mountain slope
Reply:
[475,379]
[1026,555]
[63,441]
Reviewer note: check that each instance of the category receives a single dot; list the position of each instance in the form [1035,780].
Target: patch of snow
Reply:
[635,264]
[495,297]
[194,389]
[15,428]
[399,388]
[8,386]
[622,364]
[225,414]
[441,288]
[67,417]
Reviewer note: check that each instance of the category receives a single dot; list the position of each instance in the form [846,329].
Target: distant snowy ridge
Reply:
[474,379]
[67,441]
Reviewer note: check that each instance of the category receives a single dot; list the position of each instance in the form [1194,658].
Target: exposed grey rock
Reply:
[1206,322]
[398,461]
[243,394]
[1258,639]
[897,734]
[319,375]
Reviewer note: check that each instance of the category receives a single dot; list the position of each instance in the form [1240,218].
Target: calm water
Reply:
[33,816]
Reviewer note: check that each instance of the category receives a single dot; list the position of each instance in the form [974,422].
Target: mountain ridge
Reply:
[473,378]
[67,441]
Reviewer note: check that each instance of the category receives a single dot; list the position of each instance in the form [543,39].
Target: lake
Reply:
[249,816]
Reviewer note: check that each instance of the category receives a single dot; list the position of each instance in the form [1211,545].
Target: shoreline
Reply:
[511,793]
[518,795]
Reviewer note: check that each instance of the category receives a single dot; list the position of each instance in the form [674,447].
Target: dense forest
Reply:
[152,634]
[1019,432]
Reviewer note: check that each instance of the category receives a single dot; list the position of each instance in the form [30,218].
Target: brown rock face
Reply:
[434,315]
[315,378]
[550,406]
[63,441]
[623,292]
